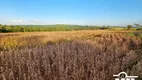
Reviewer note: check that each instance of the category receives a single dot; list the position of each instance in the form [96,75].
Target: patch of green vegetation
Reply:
[120,28]
[59,27]
[131,34]
[135,34]
[140,35]
[38,28]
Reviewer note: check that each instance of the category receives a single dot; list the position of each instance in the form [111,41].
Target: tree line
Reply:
[37,28]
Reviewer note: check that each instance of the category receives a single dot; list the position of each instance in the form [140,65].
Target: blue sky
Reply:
[81,12]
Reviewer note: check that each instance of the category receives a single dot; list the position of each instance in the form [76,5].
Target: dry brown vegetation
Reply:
[75,55]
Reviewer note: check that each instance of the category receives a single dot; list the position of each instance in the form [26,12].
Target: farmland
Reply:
[70,55]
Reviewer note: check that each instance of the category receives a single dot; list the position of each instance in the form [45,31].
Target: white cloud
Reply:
[18,21]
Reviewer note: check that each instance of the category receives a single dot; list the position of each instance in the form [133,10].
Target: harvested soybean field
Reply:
[70,55]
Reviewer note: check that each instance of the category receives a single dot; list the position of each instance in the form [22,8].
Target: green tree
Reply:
[8,28]
[0,28]
[129,27]
[137,25]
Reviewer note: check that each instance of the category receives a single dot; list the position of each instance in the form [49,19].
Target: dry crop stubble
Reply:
[83,55]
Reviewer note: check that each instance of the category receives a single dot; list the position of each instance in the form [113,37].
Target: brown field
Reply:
[70,55]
